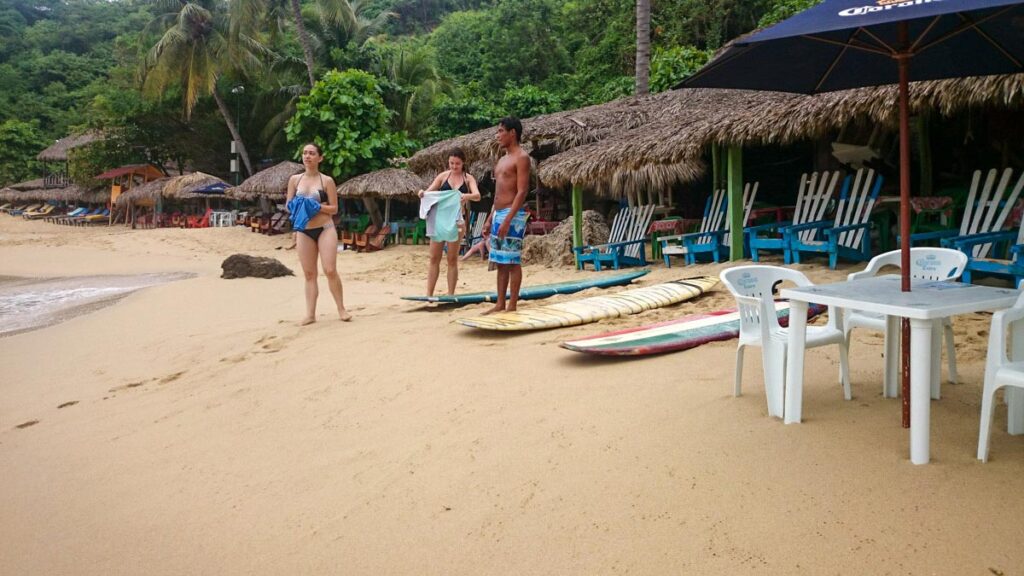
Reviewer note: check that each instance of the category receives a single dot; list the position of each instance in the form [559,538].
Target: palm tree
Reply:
[643,45]
[415,83]
[200,43]
[307,48]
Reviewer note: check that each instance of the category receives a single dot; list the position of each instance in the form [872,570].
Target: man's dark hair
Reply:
[512,123]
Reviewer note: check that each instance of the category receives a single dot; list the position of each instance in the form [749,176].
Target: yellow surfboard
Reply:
[595,308]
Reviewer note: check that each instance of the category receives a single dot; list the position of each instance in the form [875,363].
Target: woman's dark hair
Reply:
[458,153]
[314,145]
[512,123]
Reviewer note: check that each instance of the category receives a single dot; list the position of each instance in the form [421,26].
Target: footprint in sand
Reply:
[66,404]
[27,424]
[126,386]
[172,377]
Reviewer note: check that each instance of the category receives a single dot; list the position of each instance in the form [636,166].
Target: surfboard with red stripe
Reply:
[673,335]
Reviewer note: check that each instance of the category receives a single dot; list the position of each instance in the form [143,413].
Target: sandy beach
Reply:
[193,427]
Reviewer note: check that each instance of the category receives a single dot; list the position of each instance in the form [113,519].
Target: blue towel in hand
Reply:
[300,210]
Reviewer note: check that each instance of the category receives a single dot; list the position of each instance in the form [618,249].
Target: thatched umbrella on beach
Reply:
[58,151]
[188,185]
[388,183]
[271,183]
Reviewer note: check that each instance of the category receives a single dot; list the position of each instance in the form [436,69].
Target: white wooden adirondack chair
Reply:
[626,241]
[849,234]
[714,234]
[812,203]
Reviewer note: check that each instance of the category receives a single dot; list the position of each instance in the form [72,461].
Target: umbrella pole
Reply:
[902,60]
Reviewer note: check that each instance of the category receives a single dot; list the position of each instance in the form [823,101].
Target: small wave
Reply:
[28,304]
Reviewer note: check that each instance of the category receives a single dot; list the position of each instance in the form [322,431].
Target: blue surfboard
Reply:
[539,291]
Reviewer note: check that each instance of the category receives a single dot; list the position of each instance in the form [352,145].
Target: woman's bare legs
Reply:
[307,250]
[328,245]
[434,267]
[453,266]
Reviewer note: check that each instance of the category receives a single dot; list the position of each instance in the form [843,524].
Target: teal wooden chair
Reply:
[848,235]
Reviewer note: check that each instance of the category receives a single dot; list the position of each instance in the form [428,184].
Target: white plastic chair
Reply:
[759,326]
[937,264]
[1000,372]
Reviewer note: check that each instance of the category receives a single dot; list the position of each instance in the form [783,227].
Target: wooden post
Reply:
[577,218]
[925,149]
[735,215]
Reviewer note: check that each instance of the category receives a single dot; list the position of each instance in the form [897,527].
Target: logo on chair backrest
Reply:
[747,282]
[929,263]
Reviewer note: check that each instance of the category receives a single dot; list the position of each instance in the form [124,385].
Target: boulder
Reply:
[243,265]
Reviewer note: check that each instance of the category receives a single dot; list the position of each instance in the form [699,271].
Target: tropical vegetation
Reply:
[174,82]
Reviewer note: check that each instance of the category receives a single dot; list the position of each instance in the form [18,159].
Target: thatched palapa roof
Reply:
[698,117]
[174,187]
[386,183]
[58,151]
[72,193]
[272,183]
[562,130]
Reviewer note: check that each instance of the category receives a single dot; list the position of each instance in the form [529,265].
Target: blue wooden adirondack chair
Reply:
[713,236]
[986,210]
[983,250]
[812,202]
[626,241]
[849,235]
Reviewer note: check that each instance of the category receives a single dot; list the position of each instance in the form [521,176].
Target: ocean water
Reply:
[32,303]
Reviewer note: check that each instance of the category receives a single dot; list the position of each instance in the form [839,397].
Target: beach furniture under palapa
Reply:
[812,203]
[626,241]
[713,236]
[759,326]
[849,234]
[980,246]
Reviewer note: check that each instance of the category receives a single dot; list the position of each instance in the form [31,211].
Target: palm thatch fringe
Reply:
[387,183]
[185,186]
[699,117]
[272,183]
[58,151]
[28,185]
[73,193]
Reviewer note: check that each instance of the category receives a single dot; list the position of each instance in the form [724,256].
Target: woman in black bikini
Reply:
[455,178]
[320,236]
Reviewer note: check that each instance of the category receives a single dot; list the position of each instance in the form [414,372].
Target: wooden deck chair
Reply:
[812,203]
[987,210]
[713,237]
[26,209]
[41,213]
[849,235]
[982,250]
[378,239]
[626,241]
[362,239]
[475,231]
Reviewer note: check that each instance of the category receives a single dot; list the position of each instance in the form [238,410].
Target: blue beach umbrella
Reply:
[843,44]
[213,188]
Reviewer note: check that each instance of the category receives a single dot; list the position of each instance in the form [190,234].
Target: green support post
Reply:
[735,178]
[577,220]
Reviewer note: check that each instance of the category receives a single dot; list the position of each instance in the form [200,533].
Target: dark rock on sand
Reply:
[243,265]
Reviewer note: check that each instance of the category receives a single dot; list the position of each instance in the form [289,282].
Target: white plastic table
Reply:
[926,302]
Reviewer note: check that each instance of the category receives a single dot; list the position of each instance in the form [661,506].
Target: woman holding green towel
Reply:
[455,178]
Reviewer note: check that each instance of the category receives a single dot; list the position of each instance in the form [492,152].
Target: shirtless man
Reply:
[508,219]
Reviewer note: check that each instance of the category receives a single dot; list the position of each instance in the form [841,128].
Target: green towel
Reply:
[441,209]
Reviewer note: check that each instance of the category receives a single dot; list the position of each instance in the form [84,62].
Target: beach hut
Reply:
[389,183]
[55,157]
[271,183]
[125,178]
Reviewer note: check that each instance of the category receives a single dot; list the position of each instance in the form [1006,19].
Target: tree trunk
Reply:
[304,40]
[234,132]
[643,46]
